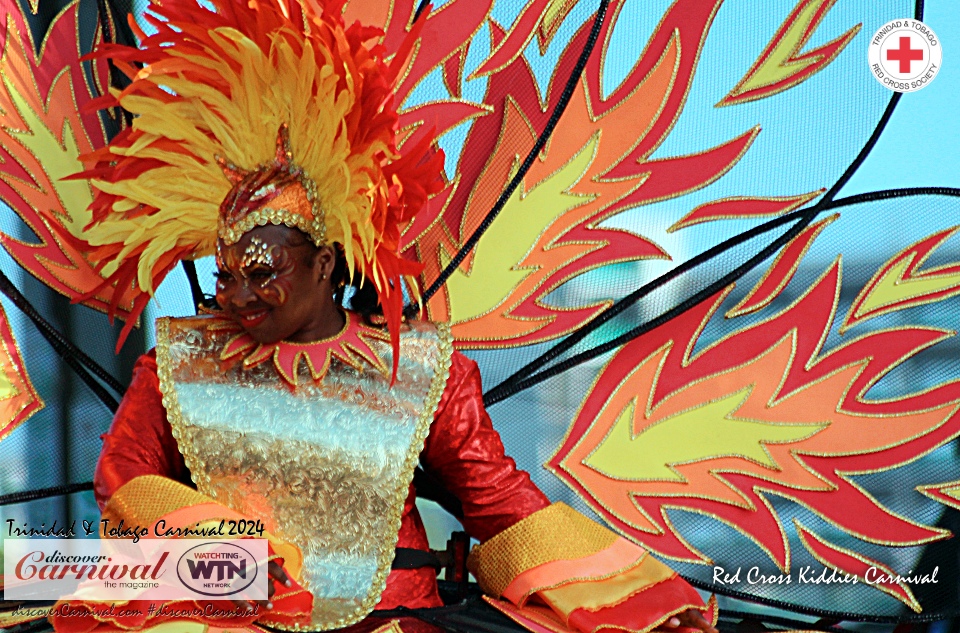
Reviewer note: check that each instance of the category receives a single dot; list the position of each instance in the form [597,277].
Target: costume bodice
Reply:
[326,464]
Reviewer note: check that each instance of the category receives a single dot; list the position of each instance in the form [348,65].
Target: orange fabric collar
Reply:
[351,346]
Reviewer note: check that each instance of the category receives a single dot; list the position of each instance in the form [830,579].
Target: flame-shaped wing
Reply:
[899,284]
[854,565]
[763,411]
[780,272]
[947,493]
[498,300]
[18,399]
[42,132]
[781,65]
[538,17]
[742,207]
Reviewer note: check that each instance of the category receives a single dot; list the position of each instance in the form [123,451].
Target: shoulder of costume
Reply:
[358,344]
[218,322]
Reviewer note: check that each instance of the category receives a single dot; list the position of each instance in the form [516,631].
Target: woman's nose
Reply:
[242,295]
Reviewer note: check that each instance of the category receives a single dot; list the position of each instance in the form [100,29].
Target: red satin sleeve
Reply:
[139,441]
[465,452]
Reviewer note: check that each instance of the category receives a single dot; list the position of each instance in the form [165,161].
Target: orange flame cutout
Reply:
[899,284]
[41,135]
[743,207]
[781,271]
[18,399]
[548,232]
[764,411]
[857,566]
[781,65]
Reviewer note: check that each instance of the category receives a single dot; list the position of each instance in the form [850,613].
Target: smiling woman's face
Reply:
[273,283]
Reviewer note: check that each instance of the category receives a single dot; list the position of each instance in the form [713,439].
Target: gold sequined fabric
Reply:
[558,532]
[143,500]
[326,465]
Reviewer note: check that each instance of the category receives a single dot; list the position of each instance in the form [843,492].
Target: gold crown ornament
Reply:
[275,193]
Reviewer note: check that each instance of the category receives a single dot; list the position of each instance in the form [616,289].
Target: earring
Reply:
[324,277]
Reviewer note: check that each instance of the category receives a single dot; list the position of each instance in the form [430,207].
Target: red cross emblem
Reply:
[905,55]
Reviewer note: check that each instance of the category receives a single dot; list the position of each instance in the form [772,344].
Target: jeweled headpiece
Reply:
[274,193]
[247,114]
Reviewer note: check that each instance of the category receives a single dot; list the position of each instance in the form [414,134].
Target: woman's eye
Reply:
[222,275]
[261,274]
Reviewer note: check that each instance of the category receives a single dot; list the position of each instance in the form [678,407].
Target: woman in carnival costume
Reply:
[265,133]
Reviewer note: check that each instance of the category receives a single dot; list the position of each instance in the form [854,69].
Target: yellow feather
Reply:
[236,114]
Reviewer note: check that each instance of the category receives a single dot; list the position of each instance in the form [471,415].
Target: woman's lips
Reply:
[253,318]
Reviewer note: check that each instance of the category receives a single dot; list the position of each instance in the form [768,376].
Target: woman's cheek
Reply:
[278,288]
[221,295]
[277,292]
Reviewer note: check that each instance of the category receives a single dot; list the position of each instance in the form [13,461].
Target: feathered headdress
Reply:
[210,92]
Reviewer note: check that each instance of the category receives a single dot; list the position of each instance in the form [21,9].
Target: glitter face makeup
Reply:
[257,253]
[258,276]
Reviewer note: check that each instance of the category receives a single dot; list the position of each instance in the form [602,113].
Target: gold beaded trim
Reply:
[172,404]
[430,404]
[315,229]
[386,554]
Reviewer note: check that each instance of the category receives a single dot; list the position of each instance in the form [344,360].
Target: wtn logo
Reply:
[221,568]
[224,568]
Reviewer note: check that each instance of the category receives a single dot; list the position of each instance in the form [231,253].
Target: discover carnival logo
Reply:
[120,569]
[905,55]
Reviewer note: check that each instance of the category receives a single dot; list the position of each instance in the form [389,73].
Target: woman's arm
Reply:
[465,452]
[551,551]
[139,441]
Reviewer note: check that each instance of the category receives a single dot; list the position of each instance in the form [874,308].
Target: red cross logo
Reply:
[905,55]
